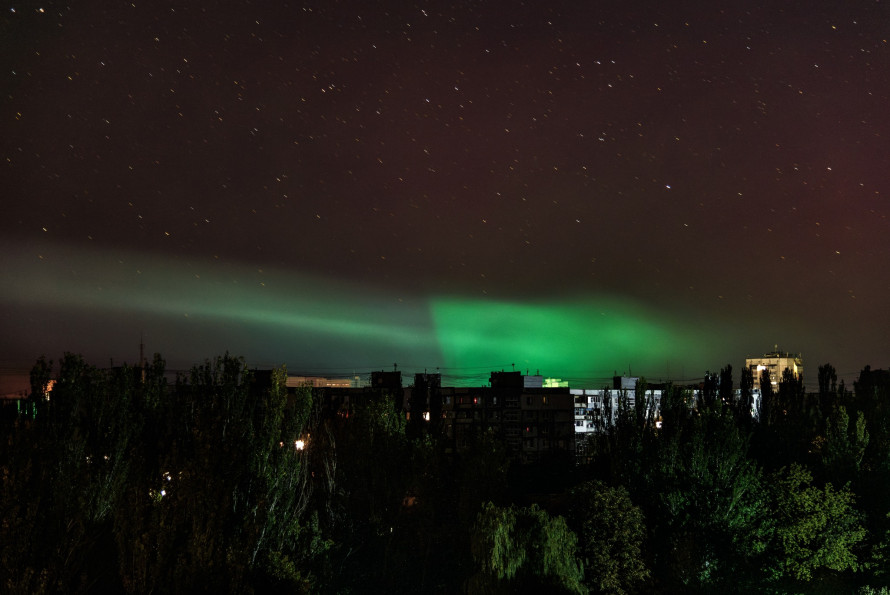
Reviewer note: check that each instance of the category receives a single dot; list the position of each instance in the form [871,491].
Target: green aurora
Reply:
[572,338]
[192,310]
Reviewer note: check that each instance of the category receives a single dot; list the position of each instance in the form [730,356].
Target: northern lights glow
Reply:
[307,321]
[275,315]
[574,187]
[573,338]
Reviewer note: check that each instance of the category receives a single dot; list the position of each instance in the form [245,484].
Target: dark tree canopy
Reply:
[125,480]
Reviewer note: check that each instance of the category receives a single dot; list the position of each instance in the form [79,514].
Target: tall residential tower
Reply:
[775,362]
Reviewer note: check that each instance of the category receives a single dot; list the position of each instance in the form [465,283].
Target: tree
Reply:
[524,550]
[844,445]
[482,475]
[708,393]
[803,417]
[725,392]
[67,469]
[611,531]
[827,381]
[368,479]
[816,529]
[871,397]
[674,410]
[789,422]
[745,406]
[219,500]
[693,480]
[703,496]
[769,407]
[872,390]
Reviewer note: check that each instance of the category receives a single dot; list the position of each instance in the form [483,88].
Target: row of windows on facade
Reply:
[529,400]
[506,415]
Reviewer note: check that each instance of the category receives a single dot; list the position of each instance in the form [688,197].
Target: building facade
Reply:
[596,409]
[532,421]
[775,363]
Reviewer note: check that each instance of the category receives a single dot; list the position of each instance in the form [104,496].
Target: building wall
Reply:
[592,405]
[531,420]
[776,363]
[596,409]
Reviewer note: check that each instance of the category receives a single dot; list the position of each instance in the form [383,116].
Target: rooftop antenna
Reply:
[514,367]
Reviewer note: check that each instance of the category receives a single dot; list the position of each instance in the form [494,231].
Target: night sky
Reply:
[576,188]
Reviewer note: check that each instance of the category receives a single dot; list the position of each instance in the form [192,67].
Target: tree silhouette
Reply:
[611,531]
[524,550]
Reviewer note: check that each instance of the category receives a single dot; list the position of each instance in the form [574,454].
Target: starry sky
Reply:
[576,188]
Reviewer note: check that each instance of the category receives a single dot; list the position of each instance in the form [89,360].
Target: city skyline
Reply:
[572,188]
[14,379]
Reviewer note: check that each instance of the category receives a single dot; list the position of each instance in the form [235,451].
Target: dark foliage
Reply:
[120,481]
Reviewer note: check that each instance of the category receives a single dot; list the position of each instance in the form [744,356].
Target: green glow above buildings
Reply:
[191,310]
[569,338]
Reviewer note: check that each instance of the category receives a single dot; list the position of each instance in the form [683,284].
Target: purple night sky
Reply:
[343,185]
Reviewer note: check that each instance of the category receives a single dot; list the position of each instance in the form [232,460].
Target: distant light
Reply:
[300,445]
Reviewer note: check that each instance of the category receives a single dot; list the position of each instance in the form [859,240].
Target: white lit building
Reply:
[597,406]
[775,362]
